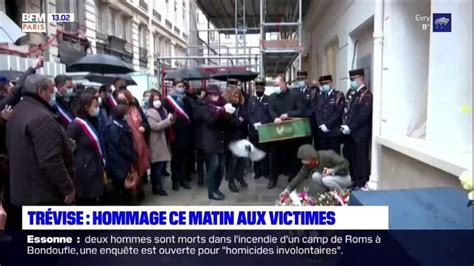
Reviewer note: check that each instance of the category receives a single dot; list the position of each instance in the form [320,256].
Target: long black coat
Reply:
[119,146]
[237,129]
[358,115]
[88,162]
[215,123]
[289,102]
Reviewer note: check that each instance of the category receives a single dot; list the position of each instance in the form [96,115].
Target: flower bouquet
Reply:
[330,198]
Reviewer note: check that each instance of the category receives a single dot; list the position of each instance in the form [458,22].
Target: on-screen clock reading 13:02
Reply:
[61,17]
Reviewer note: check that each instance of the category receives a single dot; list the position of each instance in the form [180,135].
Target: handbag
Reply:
[131,180]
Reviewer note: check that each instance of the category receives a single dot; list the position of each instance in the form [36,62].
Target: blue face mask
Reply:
[69,92]
[325,88]
[354,85]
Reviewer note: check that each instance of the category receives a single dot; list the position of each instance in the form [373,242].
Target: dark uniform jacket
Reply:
[289,102]
[328,110]
[358,114]
[41,160]
[327,159]
[258,112]
[306,94]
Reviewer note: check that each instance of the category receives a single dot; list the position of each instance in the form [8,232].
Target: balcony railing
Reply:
[144,4]
[143,56]
[168,24]
[156,15]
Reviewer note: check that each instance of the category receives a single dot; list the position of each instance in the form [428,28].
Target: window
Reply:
[227,36]
[118,24]
[110,22]
[157,44]
[98,16]
[142,36]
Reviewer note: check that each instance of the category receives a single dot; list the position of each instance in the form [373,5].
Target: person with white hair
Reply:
[41,159]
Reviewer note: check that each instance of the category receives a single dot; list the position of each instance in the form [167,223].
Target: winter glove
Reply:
[257,125]
[324,128]
[345,130]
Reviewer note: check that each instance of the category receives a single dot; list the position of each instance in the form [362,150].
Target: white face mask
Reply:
[157,104]
[99,101]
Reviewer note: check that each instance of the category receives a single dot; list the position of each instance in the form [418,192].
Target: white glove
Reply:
[257,125]
[345,130]
[229,108]
[324,128]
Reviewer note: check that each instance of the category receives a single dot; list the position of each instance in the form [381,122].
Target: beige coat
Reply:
[159,148]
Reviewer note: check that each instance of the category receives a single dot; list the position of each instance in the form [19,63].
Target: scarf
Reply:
[178,97]
[162,113]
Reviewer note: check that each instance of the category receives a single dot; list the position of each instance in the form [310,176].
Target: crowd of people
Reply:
[66,144]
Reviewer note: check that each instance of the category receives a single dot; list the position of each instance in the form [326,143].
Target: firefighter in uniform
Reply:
[357,128]
[328,113]
[258,115]
[307,92]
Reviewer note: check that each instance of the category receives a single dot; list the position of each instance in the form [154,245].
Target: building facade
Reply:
[137,31]
[420,79]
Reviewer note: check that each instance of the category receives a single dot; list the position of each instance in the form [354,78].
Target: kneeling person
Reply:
[321,171]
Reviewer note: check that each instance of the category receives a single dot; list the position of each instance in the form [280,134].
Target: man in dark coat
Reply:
[64,98]
[285,104]
[357,127]
[34,136]
[181,134]
[328,113]
[258,114]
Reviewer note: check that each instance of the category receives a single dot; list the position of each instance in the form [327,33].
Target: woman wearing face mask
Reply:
[159,120]
[120,153]
[138,124]
[88,153]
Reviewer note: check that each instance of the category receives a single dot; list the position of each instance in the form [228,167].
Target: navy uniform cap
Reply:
[356,72]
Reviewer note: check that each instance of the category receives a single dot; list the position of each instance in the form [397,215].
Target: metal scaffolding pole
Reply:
[262,38]
[300,30]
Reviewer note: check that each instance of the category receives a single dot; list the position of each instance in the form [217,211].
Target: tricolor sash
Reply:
[177,108]
[111,101]
[92,135]
[65,115]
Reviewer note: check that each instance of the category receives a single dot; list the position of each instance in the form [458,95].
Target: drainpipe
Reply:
[377,93]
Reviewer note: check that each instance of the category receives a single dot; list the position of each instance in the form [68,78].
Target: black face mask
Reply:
[259,93]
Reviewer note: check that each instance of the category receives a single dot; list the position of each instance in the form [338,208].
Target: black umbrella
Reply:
[187,74]
[107,79]
[242,75]
[11,75]
[100,63]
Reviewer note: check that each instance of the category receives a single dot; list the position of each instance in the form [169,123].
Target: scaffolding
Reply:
[278,22]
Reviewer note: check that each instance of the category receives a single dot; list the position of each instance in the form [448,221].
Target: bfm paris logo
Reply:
[441,22]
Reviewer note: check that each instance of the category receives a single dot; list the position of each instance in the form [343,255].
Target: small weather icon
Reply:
[441,22]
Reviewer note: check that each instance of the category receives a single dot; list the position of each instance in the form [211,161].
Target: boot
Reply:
[184,184]
[175,186]
[243,183]
[271,184]
[233,187]
[215,196]
[220,193]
